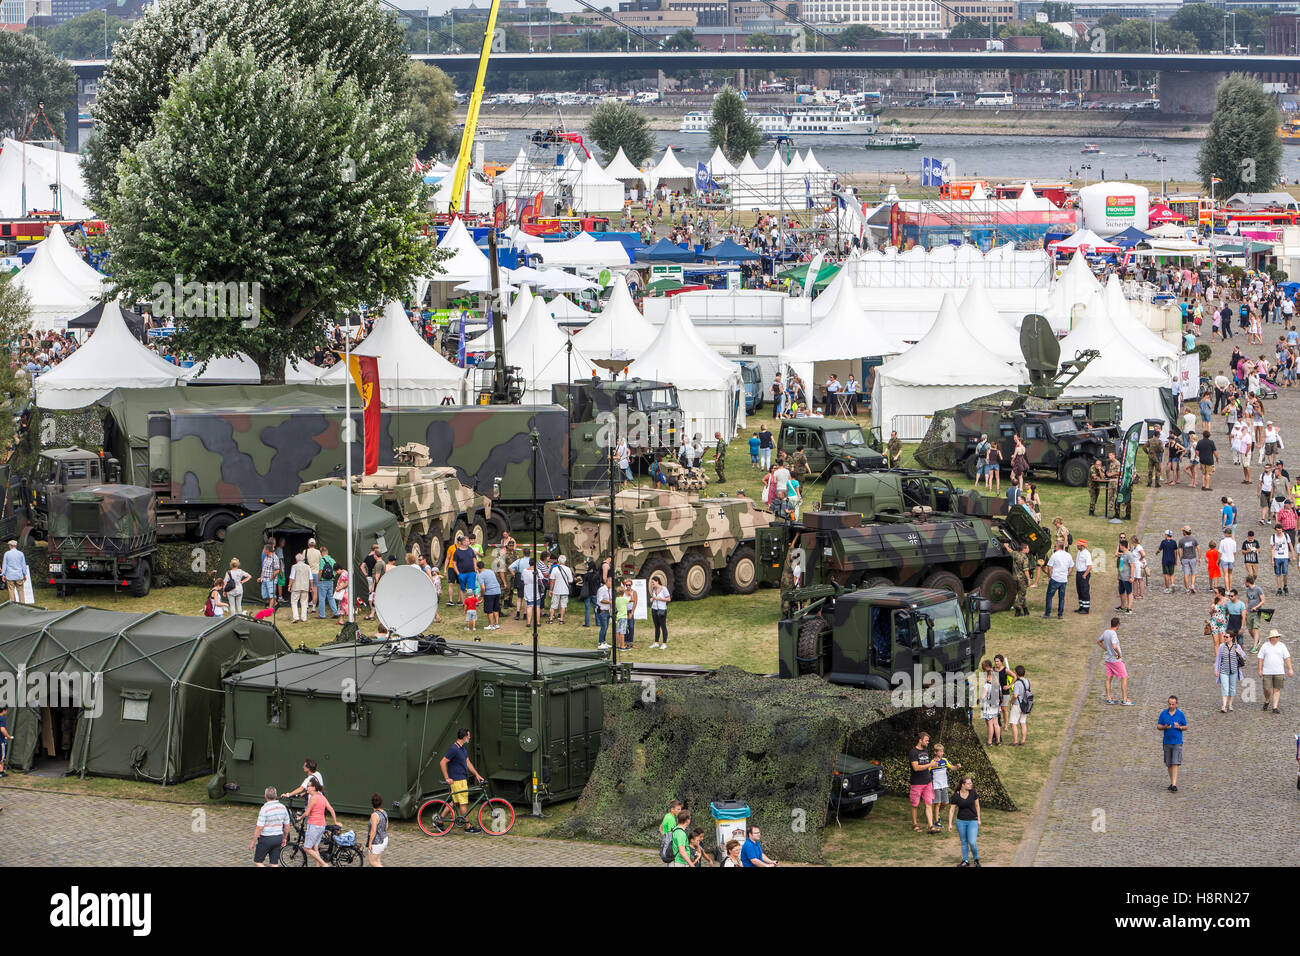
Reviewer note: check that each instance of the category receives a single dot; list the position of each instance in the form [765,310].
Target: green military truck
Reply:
[1055,441]
[669,536]
[882,638]
[102,535]
[856,785]
[956,554]
[831,445]
[59,471]
[895,494]
[430,503]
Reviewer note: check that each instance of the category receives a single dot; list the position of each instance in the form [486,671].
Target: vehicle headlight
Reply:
[844,783]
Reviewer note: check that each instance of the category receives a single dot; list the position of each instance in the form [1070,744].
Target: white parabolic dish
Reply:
[405,601]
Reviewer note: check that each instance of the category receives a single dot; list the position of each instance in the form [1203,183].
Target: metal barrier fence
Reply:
[910,427]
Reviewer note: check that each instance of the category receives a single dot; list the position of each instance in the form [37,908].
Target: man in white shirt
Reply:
[1227,556]
[1083,576]
[1274,658]
[561,579]
[1058,566]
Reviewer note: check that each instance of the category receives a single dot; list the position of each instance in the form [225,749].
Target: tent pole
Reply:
[347,465]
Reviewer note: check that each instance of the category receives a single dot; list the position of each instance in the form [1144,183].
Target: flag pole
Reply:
[347,465]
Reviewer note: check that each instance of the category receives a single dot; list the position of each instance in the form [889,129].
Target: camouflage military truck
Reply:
[102,535]
[669,536]
[1055,441]
[882,637]
[832,446]
[430,503]
[60,471]
[952,554]
[645,414]
[856,784]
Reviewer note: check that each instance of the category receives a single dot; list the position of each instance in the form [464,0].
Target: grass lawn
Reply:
[740,630]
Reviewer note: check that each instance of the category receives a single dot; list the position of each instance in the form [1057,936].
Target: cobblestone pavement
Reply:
[1239,771]
[76,830]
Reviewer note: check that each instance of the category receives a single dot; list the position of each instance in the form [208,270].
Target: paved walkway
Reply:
[61,829]
[1237,802]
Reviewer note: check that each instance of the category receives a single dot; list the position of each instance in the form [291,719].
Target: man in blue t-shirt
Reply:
[751,853]
[1173,722]
[1168,549]
[456,768]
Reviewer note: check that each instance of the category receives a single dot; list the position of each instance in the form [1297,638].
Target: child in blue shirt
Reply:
[753,449]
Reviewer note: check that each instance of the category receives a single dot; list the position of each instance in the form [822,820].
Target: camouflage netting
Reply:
[938,448]
[771,743]
[173,563]
[49,428]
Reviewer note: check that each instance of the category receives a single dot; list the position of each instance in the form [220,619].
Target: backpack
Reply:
[666,845]
[1027,700]
[326,571]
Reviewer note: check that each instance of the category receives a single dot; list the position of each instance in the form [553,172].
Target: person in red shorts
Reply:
[921,790]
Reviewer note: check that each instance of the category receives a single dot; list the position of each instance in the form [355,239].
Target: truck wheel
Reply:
[434,549]
[812,638]
[971,467]
[694,577]
[742,571]
[143,579]
[1075,472]
[945,581]
[498,526]
[996,585]
[658,569]
[460,527]
[876,581]
[214,527]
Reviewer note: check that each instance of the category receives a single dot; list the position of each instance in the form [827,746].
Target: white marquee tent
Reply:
[1148,343]
[1121,369]
[582,250]
[619,331]
[595,190]
[411,372]
[466,260]
[539,348]
[621,168]
[843,334]
[79,272]
[111,358]
[670,172]
[979,315]
[709,388]
[719,166]
[53,295]
[949,365]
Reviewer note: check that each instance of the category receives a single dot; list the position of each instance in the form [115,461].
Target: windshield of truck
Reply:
[949,625]
[45,469]
[852,437]
[749,375]
[1061,426]
[653,399]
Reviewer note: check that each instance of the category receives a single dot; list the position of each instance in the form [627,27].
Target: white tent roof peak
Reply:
[719,165]
[539,348]
[949,354]
[1148,343]
[844,333]
[984,321]
[411,372]
[466,260]
[978,194]
[618,327]
[748,166]
[670,167]
[813,165]
[620,167]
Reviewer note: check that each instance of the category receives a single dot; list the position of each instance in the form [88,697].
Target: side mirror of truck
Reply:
[985,621]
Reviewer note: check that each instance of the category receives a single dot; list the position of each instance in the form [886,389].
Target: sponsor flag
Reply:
[460,348]
[1129,468]
[364,370]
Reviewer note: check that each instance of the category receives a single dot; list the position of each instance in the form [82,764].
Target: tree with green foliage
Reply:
[683,39]
[83,37]
[1242,148]
[731,129]
[614,126]
[15,322]
[1202,21]
[970,30]
[356,38]
[430,104]
[852,36]
[286,186]
[30,76]
[1058,12]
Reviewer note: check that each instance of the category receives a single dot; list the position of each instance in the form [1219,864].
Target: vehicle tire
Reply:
[741,576]
[694,577]
[1075,472]
[836,468]
[417,543]
[460,527]
[293,855]
[997,585]
[498,526]
[970,467]
[431,820]
[349,856]
[658,568]
[496,816]
[436,549]
[143,579]
[214,527]
[876,581]
[808,648]
[945,581]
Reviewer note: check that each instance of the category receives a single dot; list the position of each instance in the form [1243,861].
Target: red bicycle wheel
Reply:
[496,816]
[436,817]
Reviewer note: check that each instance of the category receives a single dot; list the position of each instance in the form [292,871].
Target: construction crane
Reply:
[460,179]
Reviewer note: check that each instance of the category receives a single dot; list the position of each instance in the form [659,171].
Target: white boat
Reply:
[798,121]
[489,135]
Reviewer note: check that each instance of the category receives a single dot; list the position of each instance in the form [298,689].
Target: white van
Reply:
[994,99]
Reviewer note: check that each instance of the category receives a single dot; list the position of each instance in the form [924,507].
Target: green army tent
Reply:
[135,695]
[377,722]
[320,514]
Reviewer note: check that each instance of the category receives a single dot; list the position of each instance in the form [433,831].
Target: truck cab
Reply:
[60,471]
[833,446]
[856,784]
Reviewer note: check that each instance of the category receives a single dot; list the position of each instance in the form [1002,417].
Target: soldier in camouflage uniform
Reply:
[720,458]
[1021,571]
[1096,481]
[1113,472]
[800,468]
[1155,451]
[895,450]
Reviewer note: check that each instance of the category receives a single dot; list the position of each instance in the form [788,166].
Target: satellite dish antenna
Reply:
[405,601]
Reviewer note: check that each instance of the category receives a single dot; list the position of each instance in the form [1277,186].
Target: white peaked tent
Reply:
[949,365]
[775,163]
[719,166]
[839,287]
[515,313]
[619,331]
[411,372]
[582,250]
[595,190]
[1030,201]
[709,388]
[53,295]
[237,369]
[466,260]
[1075,285]
[670,172]
[983,320]
[621,168]
[564,310]
[26,174]
[303,373]
[843,336]
[1148,343]
[111,358]
[79,272]
[1120,370]
[539,348]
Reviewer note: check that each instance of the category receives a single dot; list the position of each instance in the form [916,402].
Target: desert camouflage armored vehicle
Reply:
[430,503]
[832,446]
[671,536]
[102,535]
[882,637]
[951,554]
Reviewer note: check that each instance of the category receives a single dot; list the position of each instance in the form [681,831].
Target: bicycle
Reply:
[295,853]
[437,817]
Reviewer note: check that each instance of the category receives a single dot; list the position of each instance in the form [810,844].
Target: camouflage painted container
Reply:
[102,535]
[671,536]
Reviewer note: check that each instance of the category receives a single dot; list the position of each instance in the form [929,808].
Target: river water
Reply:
[998,157]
